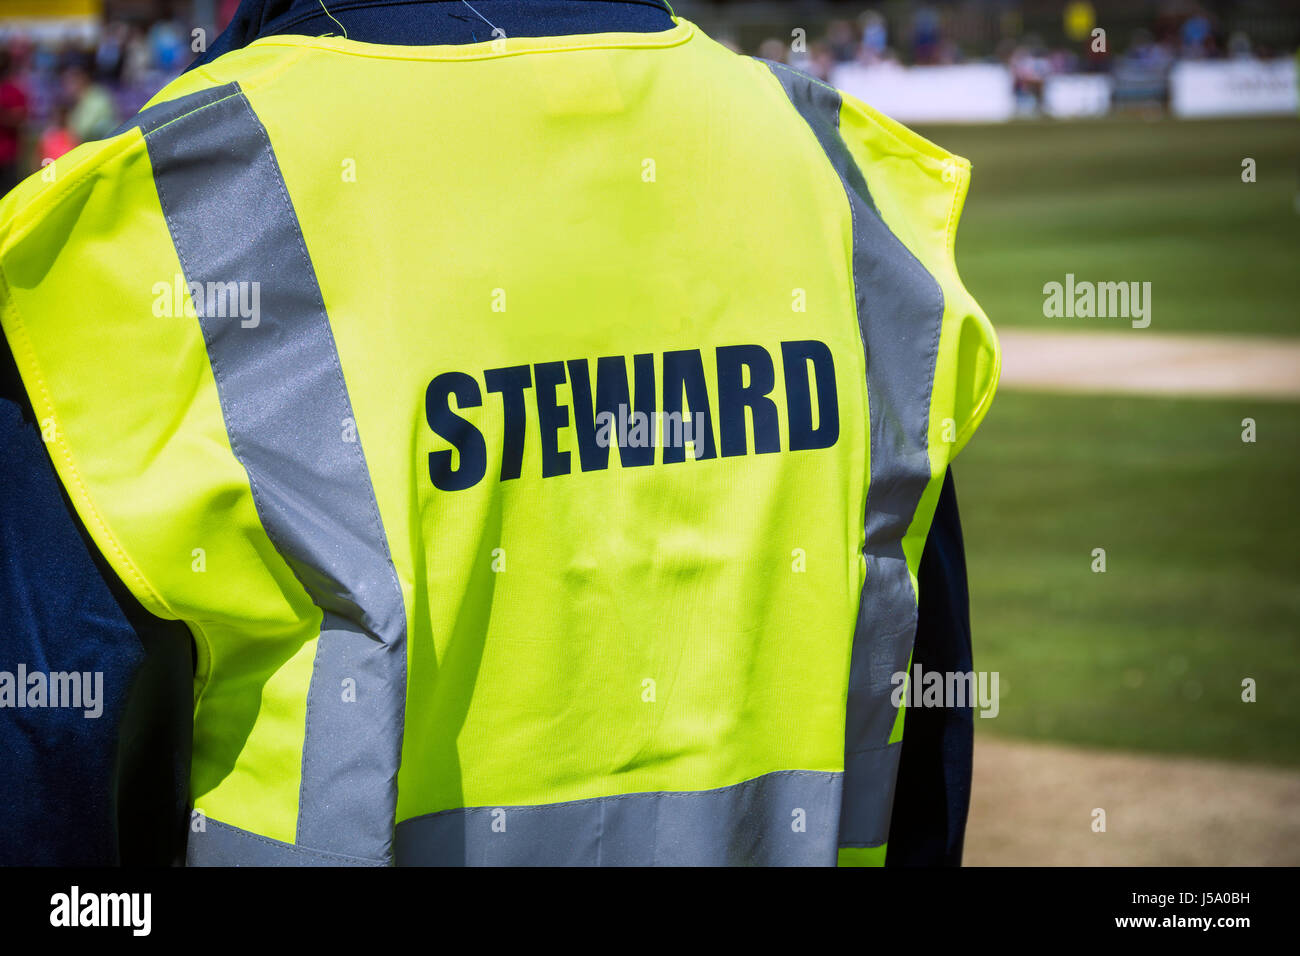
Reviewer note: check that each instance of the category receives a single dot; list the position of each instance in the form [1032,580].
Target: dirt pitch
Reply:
[1032,804]
[1152,363]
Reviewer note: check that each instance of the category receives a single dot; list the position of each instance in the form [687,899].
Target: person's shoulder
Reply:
[101,163]
[919,190]
[247,69]
[886,135]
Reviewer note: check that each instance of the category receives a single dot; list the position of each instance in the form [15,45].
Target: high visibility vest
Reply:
[539,438]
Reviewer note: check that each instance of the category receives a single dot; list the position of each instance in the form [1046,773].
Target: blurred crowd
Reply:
[1140,54]
[55,95]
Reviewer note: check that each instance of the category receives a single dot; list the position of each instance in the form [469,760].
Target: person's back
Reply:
[545,448]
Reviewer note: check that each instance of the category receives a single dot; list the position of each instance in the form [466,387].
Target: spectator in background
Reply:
[774,50]
[842,40]
[1196,36]
[1239,47]
[13,114]
[1145,52]
[57,139]
[875,37]
[110,54]
[137,58]
[821,61]
[926,37]
[1030,66]
[93,115]
[167,45]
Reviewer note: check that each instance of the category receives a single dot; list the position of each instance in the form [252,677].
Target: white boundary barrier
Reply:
[964,93]
[1233,88]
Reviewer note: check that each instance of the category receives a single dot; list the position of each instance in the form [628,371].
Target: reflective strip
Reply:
[871,774]
[900,314]
[220,844]
[787,818]
[147,121]
[287,411]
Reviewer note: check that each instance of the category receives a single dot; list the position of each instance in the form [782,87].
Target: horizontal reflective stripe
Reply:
[786,818]
[219,844]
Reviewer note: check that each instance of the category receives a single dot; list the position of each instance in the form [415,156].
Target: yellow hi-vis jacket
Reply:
[544,478]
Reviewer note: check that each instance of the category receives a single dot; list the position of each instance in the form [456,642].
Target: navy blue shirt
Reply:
[113,788]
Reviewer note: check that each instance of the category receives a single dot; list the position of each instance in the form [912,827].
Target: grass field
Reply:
[1202,580]
[1135,200]
[1200,530]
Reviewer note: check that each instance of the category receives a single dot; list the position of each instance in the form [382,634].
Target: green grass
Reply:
[1202,580]
[1135,200]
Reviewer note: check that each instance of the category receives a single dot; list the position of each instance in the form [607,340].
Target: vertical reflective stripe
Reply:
[900,315]
[287,412]
[869,775]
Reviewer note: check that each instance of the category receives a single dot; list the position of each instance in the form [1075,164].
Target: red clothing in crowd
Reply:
[13,113]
